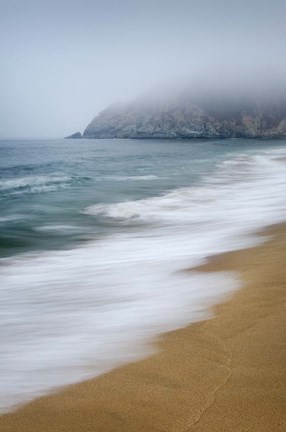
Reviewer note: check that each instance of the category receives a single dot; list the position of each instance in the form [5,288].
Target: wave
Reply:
[219,197]
[72,314]
[135,178]
[38,184]
[4,219]
[34,184]
[63,229]
[75,314]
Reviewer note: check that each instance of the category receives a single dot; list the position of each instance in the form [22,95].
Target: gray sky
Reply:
[63,61]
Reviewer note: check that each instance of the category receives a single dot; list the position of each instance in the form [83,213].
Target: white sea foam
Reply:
[10,218]
[73,314]
[135,178]
[221,198]
[34,184]
[63,229]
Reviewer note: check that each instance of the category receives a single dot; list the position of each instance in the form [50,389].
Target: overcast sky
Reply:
[63,61]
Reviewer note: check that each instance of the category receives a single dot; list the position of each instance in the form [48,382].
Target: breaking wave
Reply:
[237,182]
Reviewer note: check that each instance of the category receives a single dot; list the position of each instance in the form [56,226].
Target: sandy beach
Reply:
[227,373]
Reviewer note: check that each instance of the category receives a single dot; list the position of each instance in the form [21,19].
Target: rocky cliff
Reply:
[189,116]
[76,135]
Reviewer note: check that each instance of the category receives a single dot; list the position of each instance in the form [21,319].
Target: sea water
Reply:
[95,238]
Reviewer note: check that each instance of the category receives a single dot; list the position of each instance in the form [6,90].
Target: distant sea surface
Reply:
[94,238]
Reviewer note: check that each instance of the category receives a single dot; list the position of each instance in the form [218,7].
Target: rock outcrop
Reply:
[185,116]
[76,135]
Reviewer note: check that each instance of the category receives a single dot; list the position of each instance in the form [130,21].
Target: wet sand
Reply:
[224,374]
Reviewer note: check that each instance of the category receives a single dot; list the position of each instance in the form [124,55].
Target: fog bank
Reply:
[64,61]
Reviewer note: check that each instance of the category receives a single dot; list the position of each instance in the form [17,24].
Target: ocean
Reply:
[95,238]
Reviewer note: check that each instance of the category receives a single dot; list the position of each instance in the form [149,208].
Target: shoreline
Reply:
[224,373]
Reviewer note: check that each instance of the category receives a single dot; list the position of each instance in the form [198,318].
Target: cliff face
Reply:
[197,117]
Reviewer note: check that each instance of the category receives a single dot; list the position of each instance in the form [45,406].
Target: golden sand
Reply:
[224,374]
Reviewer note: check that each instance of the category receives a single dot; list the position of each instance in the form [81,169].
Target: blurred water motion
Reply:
[93,242]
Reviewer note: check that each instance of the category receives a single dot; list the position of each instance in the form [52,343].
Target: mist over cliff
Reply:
[216,108]
[56,77]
